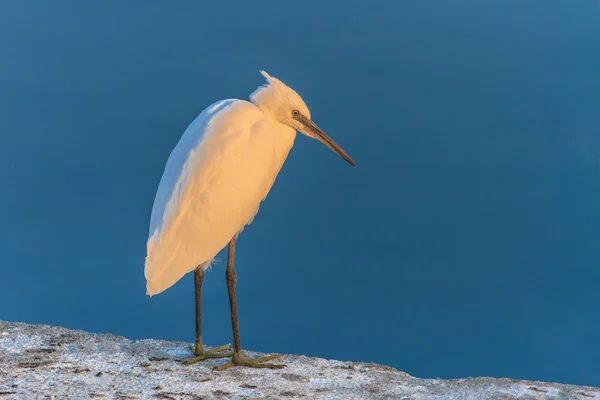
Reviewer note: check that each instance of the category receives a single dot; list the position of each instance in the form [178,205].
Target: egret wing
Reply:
[213,183]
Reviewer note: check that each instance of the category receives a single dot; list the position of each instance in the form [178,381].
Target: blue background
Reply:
[467,242]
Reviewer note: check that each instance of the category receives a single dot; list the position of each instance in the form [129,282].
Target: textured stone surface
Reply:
[45,362]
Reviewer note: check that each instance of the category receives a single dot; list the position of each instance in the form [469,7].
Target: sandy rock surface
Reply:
[46,362]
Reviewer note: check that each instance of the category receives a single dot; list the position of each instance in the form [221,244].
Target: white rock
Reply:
[45,362]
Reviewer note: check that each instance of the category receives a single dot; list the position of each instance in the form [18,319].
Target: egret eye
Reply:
[295,112]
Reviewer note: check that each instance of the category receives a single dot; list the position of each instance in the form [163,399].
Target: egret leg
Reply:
[197,349]
[237,357]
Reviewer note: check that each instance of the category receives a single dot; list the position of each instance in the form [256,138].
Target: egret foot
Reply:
[239,359]
[217,352]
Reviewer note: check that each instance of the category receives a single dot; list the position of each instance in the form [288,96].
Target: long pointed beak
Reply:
[311,129]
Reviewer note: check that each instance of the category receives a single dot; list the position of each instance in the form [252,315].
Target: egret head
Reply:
[283,104]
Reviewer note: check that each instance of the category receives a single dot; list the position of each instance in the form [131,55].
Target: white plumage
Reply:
[215,178]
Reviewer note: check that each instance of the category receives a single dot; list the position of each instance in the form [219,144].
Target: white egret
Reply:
[214,181]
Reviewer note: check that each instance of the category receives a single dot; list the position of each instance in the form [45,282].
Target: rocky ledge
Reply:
[46,362]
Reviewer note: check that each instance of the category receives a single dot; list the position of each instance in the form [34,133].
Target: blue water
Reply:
[466,243]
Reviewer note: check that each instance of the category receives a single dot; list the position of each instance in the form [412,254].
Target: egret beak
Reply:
[311,129]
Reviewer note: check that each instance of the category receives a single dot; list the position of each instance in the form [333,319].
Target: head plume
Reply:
[277,99]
